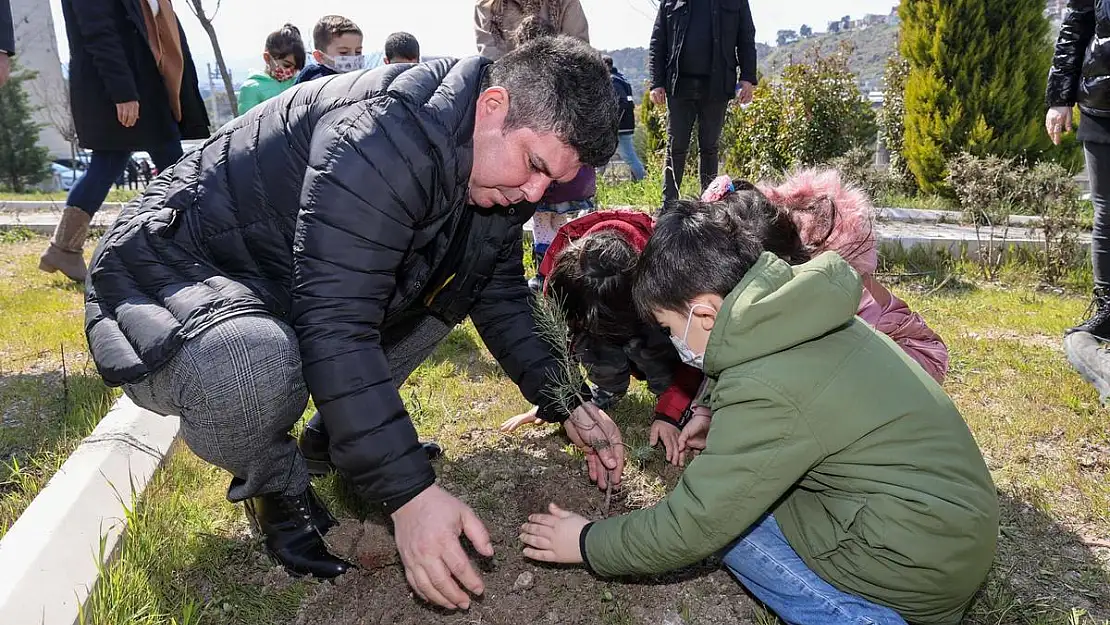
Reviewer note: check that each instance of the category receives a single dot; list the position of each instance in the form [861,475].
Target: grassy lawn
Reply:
[50,395]
[190,559]
[115,195]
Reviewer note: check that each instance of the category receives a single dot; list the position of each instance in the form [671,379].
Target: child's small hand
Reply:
[694,434]
[553,537]
[666,433]
[527,418]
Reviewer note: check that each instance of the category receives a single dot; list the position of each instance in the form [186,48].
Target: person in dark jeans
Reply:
[134,87]
[702,55]
[7,40]
[626,145]
[1073,80]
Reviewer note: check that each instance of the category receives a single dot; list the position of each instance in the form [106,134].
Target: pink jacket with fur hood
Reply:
[820,204]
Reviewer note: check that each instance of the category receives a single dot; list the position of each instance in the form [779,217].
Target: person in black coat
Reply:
[124,97]
[324,243]
[1080,74]
[7,40]
[701,56]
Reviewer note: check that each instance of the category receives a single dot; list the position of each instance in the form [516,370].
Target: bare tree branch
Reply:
[197,7]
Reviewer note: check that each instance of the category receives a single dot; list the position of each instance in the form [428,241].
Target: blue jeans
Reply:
[105,168]
[627,149]
[772,571]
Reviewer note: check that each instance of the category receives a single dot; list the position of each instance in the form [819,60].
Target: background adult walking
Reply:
[133,87]
[496,21]
[7,40]
[626,103]
[702,55]
[1080,74]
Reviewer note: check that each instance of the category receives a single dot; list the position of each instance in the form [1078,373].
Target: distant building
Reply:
[37,50]
[1055,9]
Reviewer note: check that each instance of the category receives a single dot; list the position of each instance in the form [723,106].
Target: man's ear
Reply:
[493,102]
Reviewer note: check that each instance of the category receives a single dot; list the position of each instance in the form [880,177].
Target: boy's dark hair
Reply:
[592,279]
[285,41]
[559,85]
[533,27]
[402,45]
[608,60]
[331,26]
[699,248]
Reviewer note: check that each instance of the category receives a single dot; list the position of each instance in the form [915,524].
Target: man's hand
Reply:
[659,96]
[427,531]
[595,433]
[127,113]
[666,433]
[746,92]
[5,68]
[694,433]
[526,418]
[1057,121]
[553,537]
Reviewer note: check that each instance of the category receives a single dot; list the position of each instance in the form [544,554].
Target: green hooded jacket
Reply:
[260,87]
[865,462]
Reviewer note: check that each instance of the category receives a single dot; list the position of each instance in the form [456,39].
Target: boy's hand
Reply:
[553,537]
[694,434]
[667,433]
[527,418]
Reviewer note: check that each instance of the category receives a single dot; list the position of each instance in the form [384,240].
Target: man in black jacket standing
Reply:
[7,41]
[702,55]
[323,244]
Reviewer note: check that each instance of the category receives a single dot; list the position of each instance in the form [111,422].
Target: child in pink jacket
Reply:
[831,215]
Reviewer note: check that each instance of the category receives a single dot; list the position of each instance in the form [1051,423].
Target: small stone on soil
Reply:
[523,581]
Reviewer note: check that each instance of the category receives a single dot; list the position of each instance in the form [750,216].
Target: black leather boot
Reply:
[1098,316]
[314,443]
[291,534]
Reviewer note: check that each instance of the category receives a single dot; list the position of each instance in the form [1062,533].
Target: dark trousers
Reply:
[1098,170]
[106,167]
[690,103]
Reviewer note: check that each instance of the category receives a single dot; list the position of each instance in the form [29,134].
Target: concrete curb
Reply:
[49,559]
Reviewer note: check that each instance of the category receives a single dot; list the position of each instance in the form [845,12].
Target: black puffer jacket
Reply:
[1080,72]
[734,55]
[341,207]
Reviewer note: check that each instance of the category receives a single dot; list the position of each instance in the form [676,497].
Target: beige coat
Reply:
[495,21]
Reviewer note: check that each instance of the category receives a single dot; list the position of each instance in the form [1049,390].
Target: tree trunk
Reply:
[197,6]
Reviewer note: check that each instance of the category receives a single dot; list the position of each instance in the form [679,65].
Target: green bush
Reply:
[811,114]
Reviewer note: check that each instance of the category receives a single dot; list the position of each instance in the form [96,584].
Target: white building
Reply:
[37,49]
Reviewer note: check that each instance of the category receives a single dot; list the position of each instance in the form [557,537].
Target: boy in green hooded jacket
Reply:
[838,479]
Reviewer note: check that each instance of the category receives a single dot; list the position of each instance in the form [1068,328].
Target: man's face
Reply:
[516,165]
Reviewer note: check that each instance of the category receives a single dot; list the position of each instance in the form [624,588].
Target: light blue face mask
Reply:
[683,348]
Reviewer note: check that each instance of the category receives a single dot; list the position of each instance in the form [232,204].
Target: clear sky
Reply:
[444,27]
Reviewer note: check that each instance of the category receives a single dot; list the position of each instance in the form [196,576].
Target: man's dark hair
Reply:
[592,280]
[559,85]
[331,26]
[281,43]
[608,60]
[698,248]
[402,47]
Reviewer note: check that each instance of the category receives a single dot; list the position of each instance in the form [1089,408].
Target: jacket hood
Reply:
[263,77]
[777,307]
[635,226]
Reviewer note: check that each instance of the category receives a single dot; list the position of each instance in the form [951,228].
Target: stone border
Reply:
[50,558]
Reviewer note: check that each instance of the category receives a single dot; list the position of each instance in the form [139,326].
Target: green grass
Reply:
[921,202]
[115,195]
[50,395]
[187,558]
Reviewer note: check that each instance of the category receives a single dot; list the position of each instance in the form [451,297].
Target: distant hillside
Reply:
[872,47]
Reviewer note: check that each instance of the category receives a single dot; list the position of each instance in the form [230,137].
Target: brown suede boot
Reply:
[65,251]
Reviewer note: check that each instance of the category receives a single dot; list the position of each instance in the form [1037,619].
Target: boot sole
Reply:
[1080,347]
[48,268]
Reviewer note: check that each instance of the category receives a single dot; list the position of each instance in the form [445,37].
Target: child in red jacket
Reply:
[589,267]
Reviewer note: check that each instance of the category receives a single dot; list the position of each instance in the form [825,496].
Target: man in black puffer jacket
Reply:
[323,244]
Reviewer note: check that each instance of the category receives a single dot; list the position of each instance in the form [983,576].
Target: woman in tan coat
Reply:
[495,21]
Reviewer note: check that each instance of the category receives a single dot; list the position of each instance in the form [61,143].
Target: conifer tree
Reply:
[23,163]
[976,81]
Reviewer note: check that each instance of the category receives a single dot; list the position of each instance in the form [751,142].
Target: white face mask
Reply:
[683,348]
[344,64]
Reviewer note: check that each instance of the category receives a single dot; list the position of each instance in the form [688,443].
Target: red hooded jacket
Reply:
[636,227]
